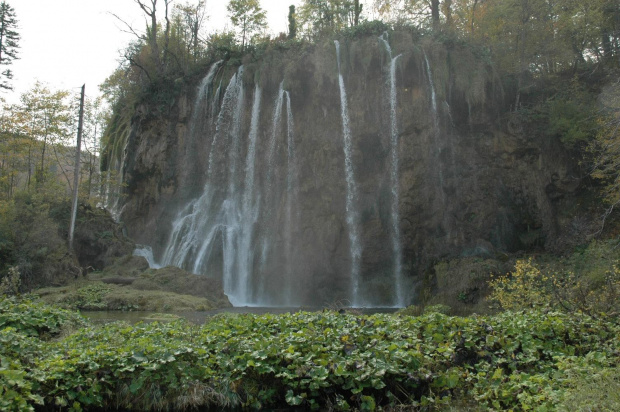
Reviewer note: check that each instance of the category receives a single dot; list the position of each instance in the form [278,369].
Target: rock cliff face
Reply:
[314,175]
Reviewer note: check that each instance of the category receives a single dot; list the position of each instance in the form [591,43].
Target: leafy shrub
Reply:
[412,310]
[9,285]
[17,352]
[439,308]
[525,288]
[326,360]
[34,318]
[529,287]
[34,241]
[91,297]
[591,385]
[366,28]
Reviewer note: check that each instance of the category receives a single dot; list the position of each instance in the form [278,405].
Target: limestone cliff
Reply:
[247,179]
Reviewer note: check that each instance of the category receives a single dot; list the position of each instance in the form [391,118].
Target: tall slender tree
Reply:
[292,23]
[248,17]
[9,42]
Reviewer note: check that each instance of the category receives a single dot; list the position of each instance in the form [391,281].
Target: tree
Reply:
[425,13]
[248,17]
[9,39]
[96,115]
[292,24]
[318,16]
[47,120]
[187,22]
[147,44]
[14,147]
[606,167]
[357,10]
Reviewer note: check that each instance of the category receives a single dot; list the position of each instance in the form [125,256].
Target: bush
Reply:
[326,360]
[529,287]
[9,285]
[34,318]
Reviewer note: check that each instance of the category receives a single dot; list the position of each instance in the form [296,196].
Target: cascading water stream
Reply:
[146,252]
[291,197]
[223,124]
[394,178]
[267,208]
[114,208]
[249,207]
[235,139]
[202,93]
[216,99]
[436,130]
[351,210]
[433,94]
[218,215]
[193,232]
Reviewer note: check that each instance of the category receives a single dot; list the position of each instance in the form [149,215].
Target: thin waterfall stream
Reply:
[394,177]
[352,198]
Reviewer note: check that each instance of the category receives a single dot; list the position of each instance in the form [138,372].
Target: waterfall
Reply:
[146,252]
[202,91]
[433,94]
[351,203]
[216,99]
[218,215]
[249,207]
[230,105]
[267,207]
[394,178]
[113,198]
[436,136]
[291,197]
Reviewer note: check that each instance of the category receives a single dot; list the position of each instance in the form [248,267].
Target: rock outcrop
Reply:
[246,179]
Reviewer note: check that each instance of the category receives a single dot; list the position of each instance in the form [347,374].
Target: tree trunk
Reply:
[447,11]
[606,43]
[435,14]
[29,164]
[358,11]
[473,16]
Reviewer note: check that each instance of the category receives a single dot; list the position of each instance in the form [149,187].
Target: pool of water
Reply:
[200,317]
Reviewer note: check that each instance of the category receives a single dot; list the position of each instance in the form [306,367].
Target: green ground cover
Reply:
[528,360]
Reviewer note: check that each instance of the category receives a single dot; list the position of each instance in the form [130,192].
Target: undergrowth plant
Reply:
[530,287]
[523,360]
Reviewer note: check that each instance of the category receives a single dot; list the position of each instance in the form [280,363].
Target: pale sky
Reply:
[67,43]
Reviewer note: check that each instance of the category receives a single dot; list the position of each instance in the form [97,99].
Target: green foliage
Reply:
[571,114]
[292,23]
[590,386]
[35,246]
[525,288]
[366,28]
[223,45]
[34,318]
[412,310]
[314,361]
[321,17]
[248,17]
[439,308]
[529,286]
[91,297]
[9,41]
[9,285]
[606,151]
